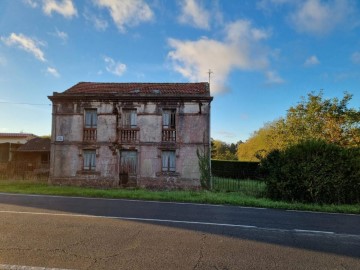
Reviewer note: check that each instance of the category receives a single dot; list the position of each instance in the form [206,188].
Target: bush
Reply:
[235,169]
[313,171]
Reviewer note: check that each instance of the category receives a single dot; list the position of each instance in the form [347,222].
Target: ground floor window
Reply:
[89,160]
[168,161]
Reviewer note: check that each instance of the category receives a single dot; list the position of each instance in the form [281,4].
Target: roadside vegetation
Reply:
[249,196]
[309,160]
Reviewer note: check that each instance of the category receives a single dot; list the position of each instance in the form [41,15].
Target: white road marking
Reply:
[242,226]
[25,267]
[130,218]
[312,231]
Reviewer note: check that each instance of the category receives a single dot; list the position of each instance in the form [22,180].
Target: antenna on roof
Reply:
[210,72]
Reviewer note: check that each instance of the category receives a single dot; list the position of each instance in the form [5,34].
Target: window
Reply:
[90,118]
[168,161]
[169,119]
[129,119]
[89,160]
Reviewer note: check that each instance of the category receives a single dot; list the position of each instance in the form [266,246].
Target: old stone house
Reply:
[137,134]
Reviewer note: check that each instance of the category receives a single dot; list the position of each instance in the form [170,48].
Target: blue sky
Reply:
[265,55]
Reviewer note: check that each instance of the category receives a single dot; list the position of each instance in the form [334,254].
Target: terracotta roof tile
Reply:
[36,145]
[201,88]
[16,135]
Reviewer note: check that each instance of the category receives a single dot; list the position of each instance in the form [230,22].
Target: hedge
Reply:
[313,171]
[235,169]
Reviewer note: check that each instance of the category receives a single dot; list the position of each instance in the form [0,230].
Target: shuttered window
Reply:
[168,161]
[169,118]
[89,160]
[129,118]
[90,118]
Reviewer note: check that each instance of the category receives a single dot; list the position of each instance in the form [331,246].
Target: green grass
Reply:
[247,187]
[241,198]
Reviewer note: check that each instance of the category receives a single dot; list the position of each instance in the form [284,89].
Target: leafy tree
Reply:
[223,151]
[327,119]
[313,118]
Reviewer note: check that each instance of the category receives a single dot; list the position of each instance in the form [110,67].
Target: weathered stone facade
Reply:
[129,134]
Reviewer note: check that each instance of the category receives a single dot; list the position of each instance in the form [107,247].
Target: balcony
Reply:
[129,135]
[169,135]
[89,135]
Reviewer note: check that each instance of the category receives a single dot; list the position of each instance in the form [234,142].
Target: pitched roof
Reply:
[201,88]
[16,135]
[36,145]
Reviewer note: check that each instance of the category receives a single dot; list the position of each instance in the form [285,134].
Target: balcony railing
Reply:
[169,135]
[129,135]
[89,135]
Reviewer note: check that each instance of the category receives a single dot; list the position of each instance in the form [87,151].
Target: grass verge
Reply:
[210,197]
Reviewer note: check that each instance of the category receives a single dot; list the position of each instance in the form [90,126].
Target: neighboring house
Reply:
[33,156]
[10,142]
[130,134]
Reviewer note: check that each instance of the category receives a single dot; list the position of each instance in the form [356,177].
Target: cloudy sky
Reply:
[264,55]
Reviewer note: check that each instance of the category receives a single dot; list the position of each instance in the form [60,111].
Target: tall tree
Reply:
[312,118]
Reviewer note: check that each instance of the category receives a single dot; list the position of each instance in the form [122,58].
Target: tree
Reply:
[327,119]
[223,151]
[313,118]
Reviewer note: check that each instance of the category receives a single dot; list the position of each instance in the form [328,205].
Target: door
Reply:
[128,166]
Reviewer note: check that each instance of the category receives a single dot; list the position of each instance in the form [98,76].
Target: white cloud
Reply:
[193,13]
[127,12]
[99,23]
[114,67]
[355,57]
[272,77]
[320,17]
[31,3]
[240,49]
[316,17]
[62,35]
[25,43]
[53,72]
[65,8]
[311,61]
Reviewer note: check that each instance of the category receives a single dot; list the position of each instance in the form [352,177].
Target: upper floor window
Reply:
[90,118]
[169,119]
[129,119]
[89,160]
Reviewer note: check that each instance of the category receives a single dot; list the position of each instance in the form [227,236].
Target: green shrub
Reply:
[313,171]
[235,169]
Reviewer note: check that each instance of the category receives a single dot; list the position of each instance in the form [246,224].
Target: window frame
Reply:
[168,161]
[169,118]
[90,118]
[129,118]
[89,160]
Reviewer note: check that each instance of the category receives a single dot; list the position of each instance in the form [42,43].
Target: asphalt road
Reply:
[80,233]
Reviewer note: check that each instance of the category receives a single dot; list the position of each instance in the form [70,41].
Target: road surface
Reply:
[83,233]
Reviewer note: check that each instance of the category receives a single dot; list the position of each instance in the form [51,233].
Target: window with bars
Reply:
[129,118]
[90,118]
[168,160]
[89,160]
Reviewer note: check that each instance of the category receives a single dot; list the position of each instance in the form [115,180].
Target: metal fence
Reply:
[248,187]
